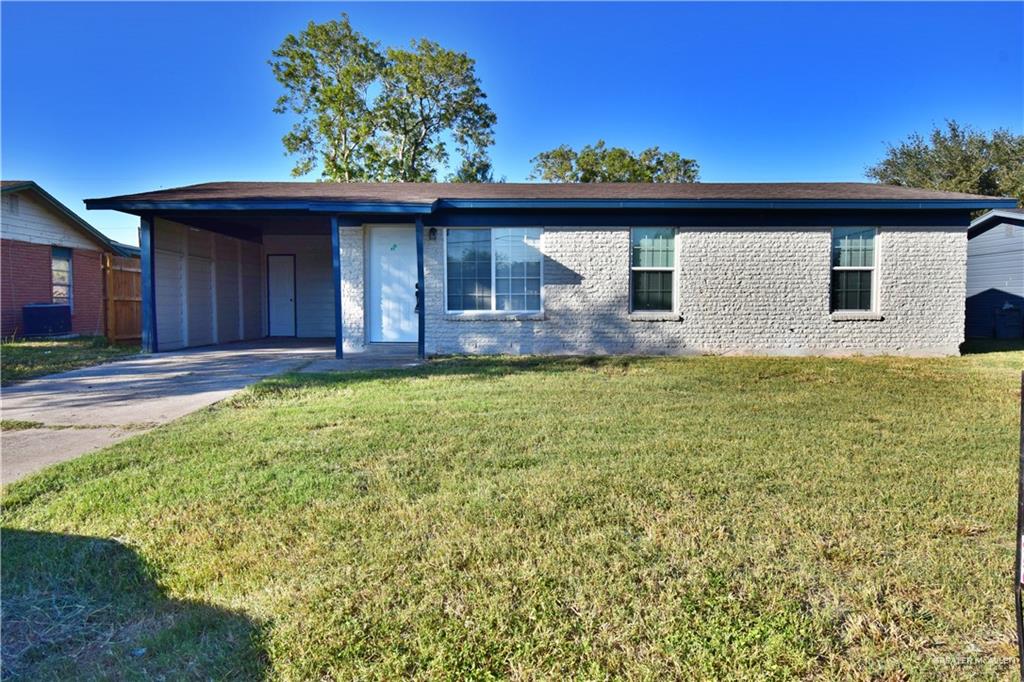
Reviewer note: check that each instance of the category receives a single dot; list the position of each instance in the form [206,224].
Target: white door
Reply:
[391,295]
[281,294]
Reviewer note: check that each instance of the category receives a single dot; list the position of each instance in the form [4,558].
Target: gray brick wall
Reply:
[351,240]
[739,291]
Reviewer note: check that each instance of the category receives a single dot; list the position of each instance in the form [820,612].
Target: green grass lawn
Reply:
[25,358]
[705,518]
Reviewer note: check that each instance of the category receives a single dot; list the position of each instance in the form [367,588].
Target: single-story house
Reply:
[995,275]
[782,268]
[50,256]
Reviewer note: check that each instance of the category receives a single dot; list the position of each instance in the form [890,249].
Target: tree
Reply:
[598,163]
[368,115]
[957,159]
[475,168]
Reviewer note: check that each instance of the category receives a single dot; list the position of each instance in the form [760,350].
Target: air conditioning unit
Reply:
[46,319]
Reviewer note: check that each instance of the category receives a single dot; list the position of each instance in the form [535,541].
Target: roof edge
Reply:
[131,206]
[984,223]
[410,208]
[967,204]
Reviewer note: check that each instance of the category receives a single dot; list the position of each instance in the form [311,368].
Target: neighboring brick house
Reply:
[779,268]
[48,255]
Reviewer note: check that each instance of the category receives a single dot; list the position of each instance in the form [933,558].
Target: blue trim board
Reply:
[260,205]
[710,219]
[421,297]
[721,204]
[339,341]
[148,260]
[373,208]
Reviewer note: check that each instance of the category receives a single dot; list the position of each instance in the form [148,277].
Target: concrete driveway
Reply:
[96,406]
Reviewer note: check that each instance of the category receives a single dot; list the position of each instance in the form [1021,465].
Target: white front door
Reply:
[391,295]
[281,295]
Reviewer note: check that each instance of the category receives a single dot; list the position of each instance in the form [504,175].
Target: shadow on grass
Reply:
[479,368]
[979,346]
[77,607]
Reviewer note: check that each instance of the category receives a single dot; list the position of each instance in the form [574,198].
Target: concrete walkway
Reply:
[90,408]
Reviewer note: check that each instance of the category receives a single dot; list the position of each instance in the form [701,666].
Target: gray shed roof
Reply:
[984,223]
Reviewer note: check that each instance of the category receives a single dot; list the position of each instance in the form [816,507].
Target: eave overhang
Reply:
[414,209]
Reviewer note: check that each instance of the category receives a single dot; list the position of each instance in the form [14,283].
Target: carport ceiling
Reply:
[252,226]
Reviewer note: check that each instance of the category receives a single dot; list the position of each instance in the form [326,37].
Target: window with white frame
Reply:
[497,269]
[652,269]
[60,275]
[853,268]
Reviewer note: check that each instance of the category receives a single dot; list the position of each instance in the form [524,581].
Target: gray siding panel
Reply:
[995,278]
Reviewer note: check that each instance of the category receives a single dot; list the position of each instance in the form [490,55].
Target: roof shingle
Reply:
[426,193]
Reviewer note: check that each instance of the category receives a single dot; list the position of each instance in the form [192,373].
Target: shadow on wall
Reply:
[77,607]
[994,314]
[557,272]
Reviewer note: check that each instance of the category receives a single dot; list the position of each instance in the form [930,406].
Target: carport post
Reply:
[421,298]
[146,253]
[339,343]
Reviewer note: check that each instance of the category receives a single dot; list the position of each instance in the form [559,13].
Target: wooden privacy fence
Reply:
[122,298]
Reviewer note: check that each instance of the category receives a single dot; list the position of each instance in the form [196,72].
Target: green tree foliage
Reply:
[370,115]
[957,159]
[598,163]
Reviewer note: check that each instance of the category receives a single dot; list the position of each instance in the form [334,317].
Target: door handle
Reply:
[417,290]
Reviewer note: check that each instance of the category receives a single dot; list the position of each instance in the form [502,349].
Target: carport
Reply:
[228,262]
[218,279]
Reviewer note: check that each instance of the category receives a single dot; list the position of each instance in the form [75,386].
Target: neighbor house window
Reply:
[60,274]
[495,269]
[652,265]
[853,268]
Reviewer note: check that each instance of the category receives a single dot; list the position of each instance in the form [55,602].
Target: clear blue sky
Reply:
[101,99]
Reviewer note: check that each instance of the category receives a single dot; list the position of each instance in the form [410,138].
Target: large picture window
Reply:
[853,269]
[60,275]
[652,268]
[496,269]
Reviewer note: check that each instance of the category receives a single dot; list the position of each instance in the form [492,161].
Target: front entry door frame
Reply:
[294,297]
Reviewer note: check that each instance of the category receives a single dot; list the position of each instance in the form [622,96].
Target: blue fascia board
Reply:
[668,204]
[261,205]
[340,208]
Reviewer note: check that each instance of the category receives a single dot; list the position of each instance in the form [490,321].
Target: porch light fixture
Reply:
[432,234]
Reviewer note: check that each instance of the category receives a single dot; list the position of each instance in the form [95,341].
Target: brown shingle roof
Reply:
[426,193]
